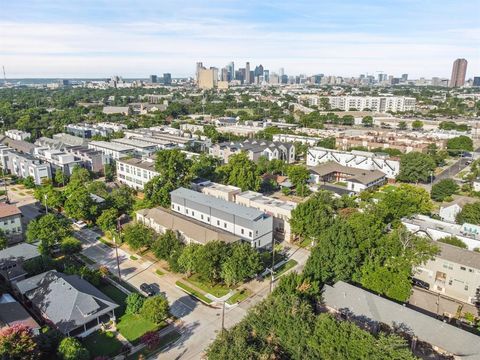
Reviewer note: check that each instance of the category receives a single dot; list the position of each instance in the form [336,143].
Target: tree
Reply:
[243,263]
[367,121]
[453,240]
[122,199]
[417,125]
[210,259]
[138,236]
[70,246]
[325,103]
[60,178]
[109,172]
[134,303]
[155,309]
[17,343]
[415,167]
[80,178]
[404,200]
[443,189]
[402,125]
[457,145]
[188,260]
[46,194]
[173,166]
[157,191]
[313,216]
[327,143]
[240,171]
[71,349]
[80,205]
[298,175]
[49,230]
[469,214]
[29,182]
[204,167]
[3,240]
[151,340]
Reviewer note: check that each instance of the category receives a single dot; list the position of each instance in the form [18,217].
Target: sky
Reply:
[86,38]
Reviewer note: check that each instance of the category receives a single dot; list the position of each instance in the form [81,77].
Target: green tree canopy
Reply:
[49,230]
[72,349]
[240,171]
[469,214]
[155,309]
[243,263]
[17,343]
[443,189]
[416,167]
[80,205]
[138,236]
[459,144]
[107,221]
[70,246]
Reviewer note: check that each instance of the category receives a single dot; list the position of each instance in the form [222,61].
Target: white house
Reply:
[448,212]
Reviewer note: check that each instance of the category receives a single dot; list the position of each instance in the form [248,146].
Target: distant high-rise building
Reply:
[153,79]
[240,75]
[259,70]
[207,78]
[284,79]
[404,77]
[476,81]
[459,70]
[224,74]
[266,75]
[167,79]
[281,72]
[231,71]
[197,71]
[247,73]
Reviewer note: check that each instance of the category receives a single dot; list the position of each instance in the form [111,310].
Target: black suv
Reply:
[147,289]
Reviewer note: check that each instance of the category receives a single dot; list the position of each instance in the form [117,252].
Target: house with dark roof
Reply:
[348,179]
[13,313]
[13,258]
[373,312]
[67,302]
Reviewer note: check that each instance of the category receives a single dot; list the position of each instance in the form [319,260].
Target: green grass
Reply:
[216,290]
[133,326]
[285,267]
[247,110]
[116,295]
[102,344]
[193,292]
[159,272]
[133,257]
[165,340]
[305,243]
[106,242]
[239,296]
[86,259]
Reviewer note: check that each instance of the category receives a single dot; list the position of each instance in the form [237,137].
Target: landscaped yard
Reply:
[133,326]
[102,343]
[285,267]
[116,295]
[239,296]
[165,340]
[193,292]
[216,290]
[159,272]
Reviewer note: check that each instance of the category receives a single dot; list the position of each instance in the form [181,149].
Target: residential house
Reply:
[13,258]
[13,313]
[454,272]
[24,165]
[449,211]
[67,302]
[17,135]
[372,312]
[11,222]
[135,173]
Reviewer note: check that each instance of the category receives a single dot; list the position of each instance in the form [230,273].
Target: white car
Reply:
[79,224]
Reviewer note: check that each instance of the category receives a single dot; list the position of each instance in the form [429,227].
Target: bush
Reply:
[134,303]
[151,340]
[453,240]
[71,349]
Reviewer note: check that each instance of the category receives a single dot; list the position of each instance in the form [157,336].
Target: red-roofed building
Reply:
[11,222]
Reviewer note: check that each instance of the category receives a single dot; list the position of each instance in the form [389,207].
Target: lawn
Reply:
[285,267]
[133,326]
[165,340]
[159,272]
[239,296]
[102,343]
[216,290]
[193,292]
[235,111]
[133,257]
[116,295]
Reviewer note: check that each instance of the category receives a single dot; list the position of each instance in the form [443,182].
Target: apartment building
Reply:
[143,148]
[373,103]
[70,140]
[454,272]
[11,222]
[240,130]
[112,151]
[280,210]
[253,226]
[135,173]
[24,165]
[17,135]
[355,159]
[111,110]
[434,229]
[160,139]
[58,159]
[91,159]
[254,149]
[291,138]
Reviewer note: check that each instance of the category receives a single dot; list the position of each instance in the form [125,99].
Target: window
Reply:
[466,287]
[178,208]
[450,282]
[173,207]
[218,222]
[186,211]
[470,270]
[225,225]
[201,216]
[250,233]
[242,231]
[193,213]
[5,222]
[12,221]
[208,219]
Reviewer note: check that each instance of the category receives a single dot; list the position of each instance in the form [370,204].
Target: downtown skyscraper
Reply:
[459,71]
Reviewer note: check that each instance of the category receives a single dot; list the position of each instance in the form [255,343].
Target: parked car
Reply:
[421,284]
[79,225]
[147,289]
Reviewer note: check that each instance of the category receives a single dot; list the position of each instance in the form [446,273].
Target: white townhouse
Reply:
[252,225]
[135,173]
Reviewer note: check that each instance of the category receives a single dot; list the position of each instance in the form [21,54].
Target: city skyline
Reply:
[100,38]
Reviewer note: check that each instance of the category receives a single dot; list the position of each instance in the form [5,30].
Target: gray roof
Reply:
[142,164]
[12,313]
[354,174]
[219,204]
[362,304]
[18,145]
[66,300]
[458,255]
[22,251]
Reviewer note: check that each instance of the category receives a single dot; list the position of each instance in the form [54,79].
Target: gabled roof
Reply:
[66,300]
[8,210]
[372,308]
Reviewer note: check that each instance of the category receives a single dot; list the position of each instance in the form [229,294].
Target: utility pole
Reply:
[116,247]
[45,196]
[223,316]
[273,265]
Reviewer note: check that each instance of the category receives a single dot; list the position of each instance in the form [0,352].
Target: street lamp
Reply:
[45,196]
